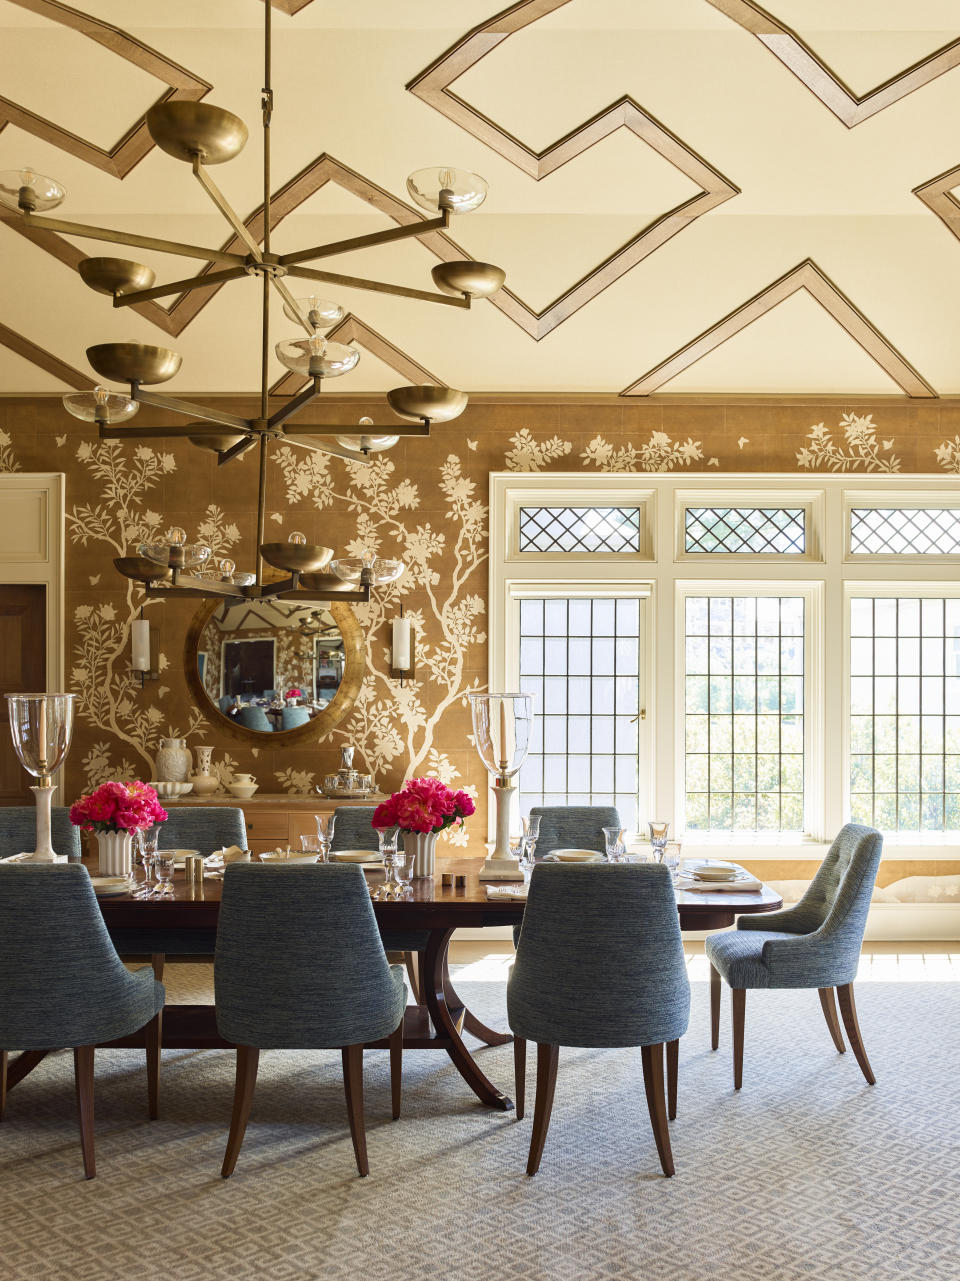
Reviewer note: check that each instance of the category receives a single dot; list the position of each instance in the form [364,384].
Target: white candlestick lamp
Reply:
[501,730]
[41,726]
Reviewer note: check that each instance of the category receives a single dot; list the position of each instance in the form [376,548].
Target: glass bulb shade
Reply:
[193,554]
[177,536]
[296,537]
[501,728]
[461,190]
[90,407]
[335,358]
[367,444]
[41,726]
[227,567]
[376,570]
[322,313]
[41,193]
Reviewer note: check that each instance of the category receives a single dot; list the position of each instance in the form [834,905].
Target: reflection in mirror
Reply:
[270,665]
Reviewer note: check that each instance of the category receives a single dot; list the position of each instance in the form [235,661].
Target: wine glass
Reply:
[147,840]
[325,825]
[671,858]
[658,837]
[164,864]
[531,834]
[403,862]
[614,847]
[391,887]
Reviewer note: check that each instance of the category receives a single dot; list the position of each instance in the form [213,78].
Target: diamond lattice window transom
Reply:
[745,530]
[902,531]
[580,529]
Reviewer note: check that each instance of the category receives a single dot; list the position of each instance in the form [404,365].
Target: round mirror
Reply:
[279,667]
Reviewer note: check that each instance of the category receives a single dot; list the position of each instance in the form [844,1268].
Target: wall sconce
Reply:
[402,648]
[140,661]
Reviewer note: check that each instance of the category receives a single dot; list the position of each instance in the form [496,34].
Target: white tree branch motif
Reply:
[863,449]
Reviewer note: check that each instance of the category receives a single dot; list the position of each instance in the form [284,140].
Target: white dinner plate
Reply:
[103,886]
[573,856]
[289,858]
[356,856]
[713,870]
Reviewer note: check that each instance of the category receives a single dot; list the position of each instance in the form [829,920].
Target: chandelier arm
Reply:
[292,303]
[323,447]
[185,407]
[128,238]
[174,431]
[379,287]
[220,200]
[364,242]
[296,404]
[180,286]
[353,429]
[236,451]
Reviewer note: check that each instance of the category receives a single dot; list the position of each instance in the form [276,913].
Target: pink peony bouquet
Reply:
[423,805]
[118,807]
[294,693]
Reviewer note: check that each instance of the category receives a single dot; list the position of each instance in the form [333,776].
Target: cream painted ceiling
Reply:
[795,179]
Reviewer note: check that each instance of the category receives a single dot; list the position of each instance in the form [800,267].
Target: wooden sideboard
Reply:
[274,819]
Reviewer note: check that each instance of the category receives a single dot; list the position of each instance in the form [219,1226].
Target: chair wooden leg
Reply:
[520,1074]
[248,1060]
[829,1007]
[739,1002]
[396,1068]
[83,1075]
[4,1059]
[848,1010]
[411,960]
[154,1033]
[714,1008]
[352,1056]
[673,1071]
[652,1060]
[547,1059]
[157,960]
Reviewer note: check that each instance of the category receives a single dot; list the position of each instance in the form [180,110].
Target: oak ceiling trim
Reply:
[353,330]
[132,146]
[432,86]
[837,96]
[291,7]
[43,359]
[806,275]
[937,195]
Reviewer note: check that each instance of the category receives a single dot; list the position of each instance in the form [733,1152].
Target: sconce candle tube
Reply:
[140,645]
[402,644]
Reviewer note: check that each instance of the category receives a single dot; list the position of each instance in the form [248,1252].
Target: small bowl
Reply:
[573,856]
[288,858]
[242,790]
[169,791]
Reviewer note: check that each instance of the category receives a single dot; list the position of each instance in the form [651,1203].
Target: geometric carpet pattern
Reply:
[807,1175]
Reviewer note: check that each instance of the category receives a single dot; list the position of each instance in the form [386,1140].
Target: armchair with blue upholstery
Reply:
[303,995]
[292,717]
[254,718]
[599,963]
[62,983]
[816,943]
[18,831]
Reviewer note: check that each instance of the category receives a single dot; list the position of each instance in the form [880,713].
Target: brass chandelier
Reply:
[203,135]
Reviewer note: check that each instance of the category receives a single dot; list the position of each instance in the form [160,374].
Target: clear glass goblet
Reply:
[312,845]
[658,837]
[164,865]
[325,826]
[671,858]
[146,842]
[615,848]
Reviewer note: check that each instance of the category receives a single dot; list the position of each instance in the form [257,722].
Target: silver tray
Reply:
[349,793]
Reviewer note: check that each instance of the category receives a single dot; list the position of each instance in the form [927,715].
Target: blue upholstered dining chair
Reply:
[291,717]
[254,718]
[63,985]
[225,702]
[18,831]
[282,983]
[599,963]
[813,944]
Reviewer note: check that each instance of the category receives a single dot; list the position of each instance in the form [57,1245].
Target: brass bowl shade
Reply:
[142,570]
[476,279]
[439,404]
[297,558]
[215,441]
[125,362]
[187,129]
[115,275]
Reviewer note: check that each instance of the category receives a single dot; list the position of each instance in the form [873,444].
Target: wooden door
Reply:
[23,670]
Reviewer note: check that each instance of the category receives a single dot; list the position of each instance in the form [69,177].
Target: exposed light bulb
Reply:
[27,176]
[227,567]
[297,537]
[317,344]
[365,421]
[446,178]
[369,559]
[100,395]
[176,536]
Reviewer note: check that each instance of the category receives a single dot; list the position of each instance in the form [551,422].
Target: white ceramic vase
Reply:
[423,846]
[173,760]
[116,853]
[203,781]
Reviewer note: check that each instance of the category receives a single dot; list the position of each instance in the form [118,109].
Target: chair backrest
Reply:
[838,897]
[225,702]
[291,717]
[600,961]
[254,718]
[18,831]
[353,828]
[61,981]
[271,694]
[329,983]
[578,827]
[204,828]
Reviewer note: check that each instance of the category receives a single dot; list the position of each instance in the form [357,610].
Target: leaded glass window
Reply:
[581,660]
[745,530]
[744,713]
[905,713]
[905,531]
[580,529]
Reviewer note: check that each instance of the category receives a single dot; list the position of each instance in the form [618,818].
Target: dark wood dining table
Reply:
[439,1018]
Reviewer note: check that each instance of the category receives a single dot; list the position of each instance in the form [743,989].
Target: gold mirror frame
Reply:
[322,723]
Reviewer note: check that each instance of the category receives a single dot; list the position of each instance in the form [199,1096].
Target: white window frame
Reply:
[827,572]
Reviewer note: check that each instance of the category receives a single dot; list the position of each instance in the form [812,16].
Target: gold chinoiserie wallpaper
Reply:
[425,502]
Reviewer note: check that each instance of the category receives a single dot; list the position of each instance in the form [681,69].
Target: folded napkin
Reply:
[742,885]
[232,854]
[507,891]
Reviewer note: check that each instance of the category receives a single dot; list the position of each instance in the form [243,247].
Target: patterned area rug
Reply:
[807,1174]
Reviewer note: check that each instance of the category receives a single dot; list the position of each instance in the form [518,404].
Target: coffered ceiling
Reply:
[688,196]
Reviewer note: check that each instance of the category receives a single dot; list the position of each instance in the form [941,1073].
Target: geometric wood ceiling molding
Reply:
[132,146]
[937,196]
[44,359]
[432,86]
[350,329]
[291,7]
[807,275]
[849,107]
